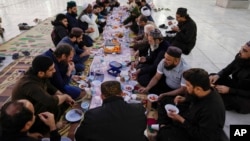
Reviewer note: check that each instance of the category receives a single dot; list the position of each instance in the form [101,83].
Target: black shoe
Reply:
[163,26]
[170,18]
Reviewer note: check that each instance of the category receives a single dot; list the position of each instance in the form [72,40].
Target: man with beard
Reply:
[35,87]
[233,82]
[153,55]
[170,68]
[204,117]
[81,54]
[73,22]
[186,32]
[62,58]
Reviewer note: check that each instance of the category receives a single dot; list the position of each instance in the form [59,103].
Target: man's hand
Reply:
[222,89]
[143,90]
[71,66]
[179,99]
[175,28]
[213,78]
[142,59]
[161,96]
[48,119]
[176,117]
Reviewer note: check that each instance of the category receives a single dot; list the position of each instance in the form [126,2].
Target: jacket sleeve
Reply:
[227,70]
[60,79]
[61,32]
[205,129]
[55,136]
[151,68]
[187,33]
[39,94]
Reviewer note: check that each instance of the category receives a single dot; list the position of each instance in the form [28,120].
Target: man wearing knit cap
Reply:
[35,87]
[73,22]
[186,32]
[233,82]
[115,120]
[81,53]
[150,57]
[71,14]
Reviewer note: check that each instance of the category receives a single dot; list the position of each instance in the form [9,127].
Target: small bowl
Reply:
[171,108]
[114,72]
[152,97]
[85,105]
[128,88]
[125,93]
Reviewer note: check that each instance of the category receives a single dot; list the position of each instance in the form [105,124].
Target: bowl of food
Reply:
[152,97]
[128,88]
[83,85]
[125,93]
[85,105]
[170,108]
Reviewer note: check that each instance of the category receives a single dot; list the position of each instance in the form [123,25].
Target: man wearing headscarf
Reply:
[233,82]
[114,120]
[186,32]
[150,57]
[35,87]
[88,20]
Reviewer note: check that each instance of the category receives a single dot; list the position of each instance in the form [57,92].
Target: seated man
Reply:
[172,67]
[115,120]
[233,82]
[131,20]
[62,58]
[18,116]
[81,53]
[186,30]
[73,22]
[35,87]
[150,58]
[142,21]
[143,43]
[204,118]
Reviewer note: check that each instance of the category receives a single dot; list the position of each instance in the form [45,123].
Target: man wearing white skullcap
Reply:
[87,21]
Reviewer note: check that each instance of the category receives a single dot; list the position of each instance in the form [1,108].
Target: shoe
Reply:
[26,53]
[15,56]
[170,18]
[163,26]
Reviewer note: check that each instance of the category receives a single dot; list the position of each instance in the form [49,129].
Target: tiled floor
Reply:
[221,32]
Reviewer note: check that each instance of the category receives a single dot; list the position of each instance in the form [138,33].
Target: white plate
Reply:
[85,105]
[170,107]
[152,97]
[80,81]
[74,115]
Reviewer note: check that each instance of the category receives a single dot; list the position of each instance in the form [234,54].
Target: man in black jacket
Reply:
[115,120]
[203,119]
[186,30]
[233,82]
[150,57]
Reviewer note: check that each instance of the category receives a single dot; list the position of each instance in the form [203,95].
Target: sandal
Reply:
[26,53]
[163,26]
[15,56]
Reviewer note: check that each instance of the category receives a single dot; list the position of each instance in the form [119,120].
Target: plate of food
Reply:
[128,88]
[171,108]
[74,115]
[152,97]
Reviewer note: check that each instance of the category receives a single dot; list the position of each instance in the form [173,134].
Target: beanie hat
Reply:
[248,43]
[41,63]
[156,34]
[76,31]
[111,88]
[174,51]
[182,12]
[71,4]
